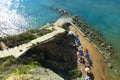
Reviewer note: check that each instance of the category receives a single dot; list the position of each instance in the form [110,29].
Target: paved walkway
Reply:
[21,49]
[3,46]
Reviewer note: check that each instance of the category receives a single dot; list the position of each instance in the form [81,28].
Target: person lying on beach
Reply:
[87,69]
[82,60]
[79,53]
[90,75]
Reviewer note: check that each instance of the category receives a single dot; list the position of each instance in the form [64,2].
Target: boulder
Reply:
[116,71]
[110,65]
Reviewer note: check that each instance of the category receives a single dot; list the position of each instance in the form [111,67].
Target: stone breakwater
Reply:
[92,35]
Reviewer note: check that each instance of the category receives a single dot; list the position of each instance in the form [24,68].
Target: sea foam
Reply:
[10,21]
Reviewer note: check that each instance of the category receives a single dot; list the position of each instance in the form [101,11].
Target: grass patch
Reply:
[25,68]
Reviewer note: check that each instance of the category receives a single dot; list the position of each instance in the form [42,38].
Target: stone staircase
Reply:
[21,49]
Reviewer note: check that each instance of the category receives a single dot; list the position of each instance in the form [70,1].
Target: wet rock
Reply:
[116,71]
[102,44]
[106,57]
[107,60]
[109,47]
[109,54]
[110,65]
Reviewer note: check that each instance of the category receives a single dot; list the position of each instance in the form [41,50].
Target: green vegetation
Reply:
[25,37]
[17,40]
[6,66]
[75,73]
[22,38]
[43,31]
[25,68]
[6,58]
[56,55]
[49,31]
[33,46]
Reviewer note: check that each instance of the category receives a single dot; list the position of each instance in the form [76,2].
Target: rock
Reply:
[110,65]
[36,74]
[109,54]
[106,60]
[109,47]
[38,71]
[116,71]
[102,44]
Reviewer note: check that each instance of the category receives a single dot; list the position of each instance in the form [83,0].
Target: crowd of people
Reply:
[83,57]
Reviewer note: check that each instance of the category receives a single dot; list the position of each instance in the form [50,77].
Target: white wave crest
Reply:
[10,21]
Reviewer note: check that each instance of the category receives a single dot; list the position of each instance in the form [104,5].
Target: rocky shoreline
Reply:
[104,48]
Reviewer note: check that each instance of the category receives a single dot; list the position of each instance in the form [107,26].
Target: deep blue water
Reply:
[103,15]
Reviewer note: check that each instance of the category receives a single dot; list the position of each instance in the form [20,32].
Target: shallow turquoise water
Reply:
[103,15]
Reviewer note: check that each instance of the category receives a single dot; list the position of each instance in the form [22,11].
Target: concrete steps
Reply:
[20,53]
[1,54]
[11,51]
[6,53]
[21,49]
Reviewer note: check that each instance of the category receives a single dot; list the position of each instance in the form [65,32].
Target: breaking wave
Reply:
[10,21]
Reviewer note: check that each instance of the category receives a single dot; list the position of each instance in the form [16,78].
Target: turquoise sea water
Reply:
[103,15]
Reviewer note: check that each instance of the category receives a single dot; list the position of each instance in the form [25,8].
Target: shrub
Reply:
[75,73]
[49,31]
[26,68]
[33,46]
[25,37]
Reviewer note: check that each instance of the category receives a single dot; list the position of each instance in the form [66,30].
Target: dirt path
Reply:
[99,69]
